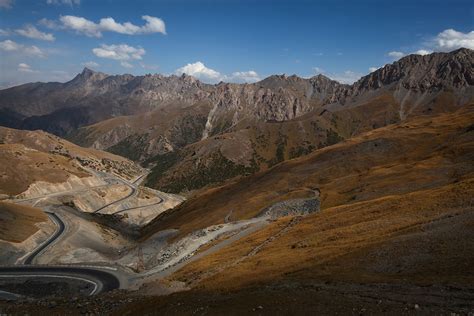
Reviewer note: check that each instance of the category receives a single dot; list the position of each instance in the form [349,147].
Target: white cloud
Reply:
[32,32]
[372,69]
[4,32]
[6,4]
[90,64]
[109,24]
[451,39]
[396,55]
[22,67]
[68,2]
[208,75]
[153,25]
[92,29]
[81,25]
[422,52]
[11,46]
[200,71]
[122,52]
[242,77]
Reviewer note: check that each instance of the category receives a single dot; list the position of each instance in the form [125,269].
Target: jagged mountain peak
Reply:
[423,72]
[88,74]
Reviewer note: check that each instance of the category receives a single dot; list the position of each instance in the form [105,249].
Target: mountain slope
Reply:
[396,221]
[31,156]
[197,135]
[422,153]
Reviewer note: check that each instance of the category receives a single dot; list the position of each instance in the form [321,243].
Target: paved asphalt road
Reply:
[55,218]
[104,281]
[133,191]
[119,200]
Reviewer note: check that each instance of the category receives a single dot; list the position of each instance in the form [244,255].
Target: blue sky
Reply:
[239,41]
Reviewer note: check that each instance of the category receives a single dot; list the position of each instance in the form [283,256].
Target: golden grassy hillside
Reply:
[21,166]
[423,236]
[419,154]
[395,230]
[29,156]
[17,222]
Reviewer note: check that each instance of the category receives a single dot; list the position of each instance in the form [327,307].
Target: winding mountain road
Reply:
[101,277]
[133,192]
[61,226]
[102,281]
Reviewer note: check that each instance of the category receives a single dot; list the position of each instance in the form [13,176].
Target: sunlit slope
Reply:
[420,154]
[17,222]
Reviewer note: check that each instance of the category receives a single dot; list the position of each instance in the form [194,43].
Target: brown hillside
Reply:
[419,154]
[29,156]
[17,222]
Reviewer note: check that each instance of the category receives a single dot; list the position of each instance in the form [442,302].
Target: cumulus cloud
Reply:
[22,67]
[11,46]
[32,32]
[122,52]
[396,55]
[90,64]
[208,75]
[6,4]
[451,39]
[92,29]
[200,71]
[68,2]
[81,25]
[4,32]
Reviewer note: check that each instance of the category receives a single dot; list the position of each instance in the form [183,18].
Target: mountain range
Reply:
[193,134]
